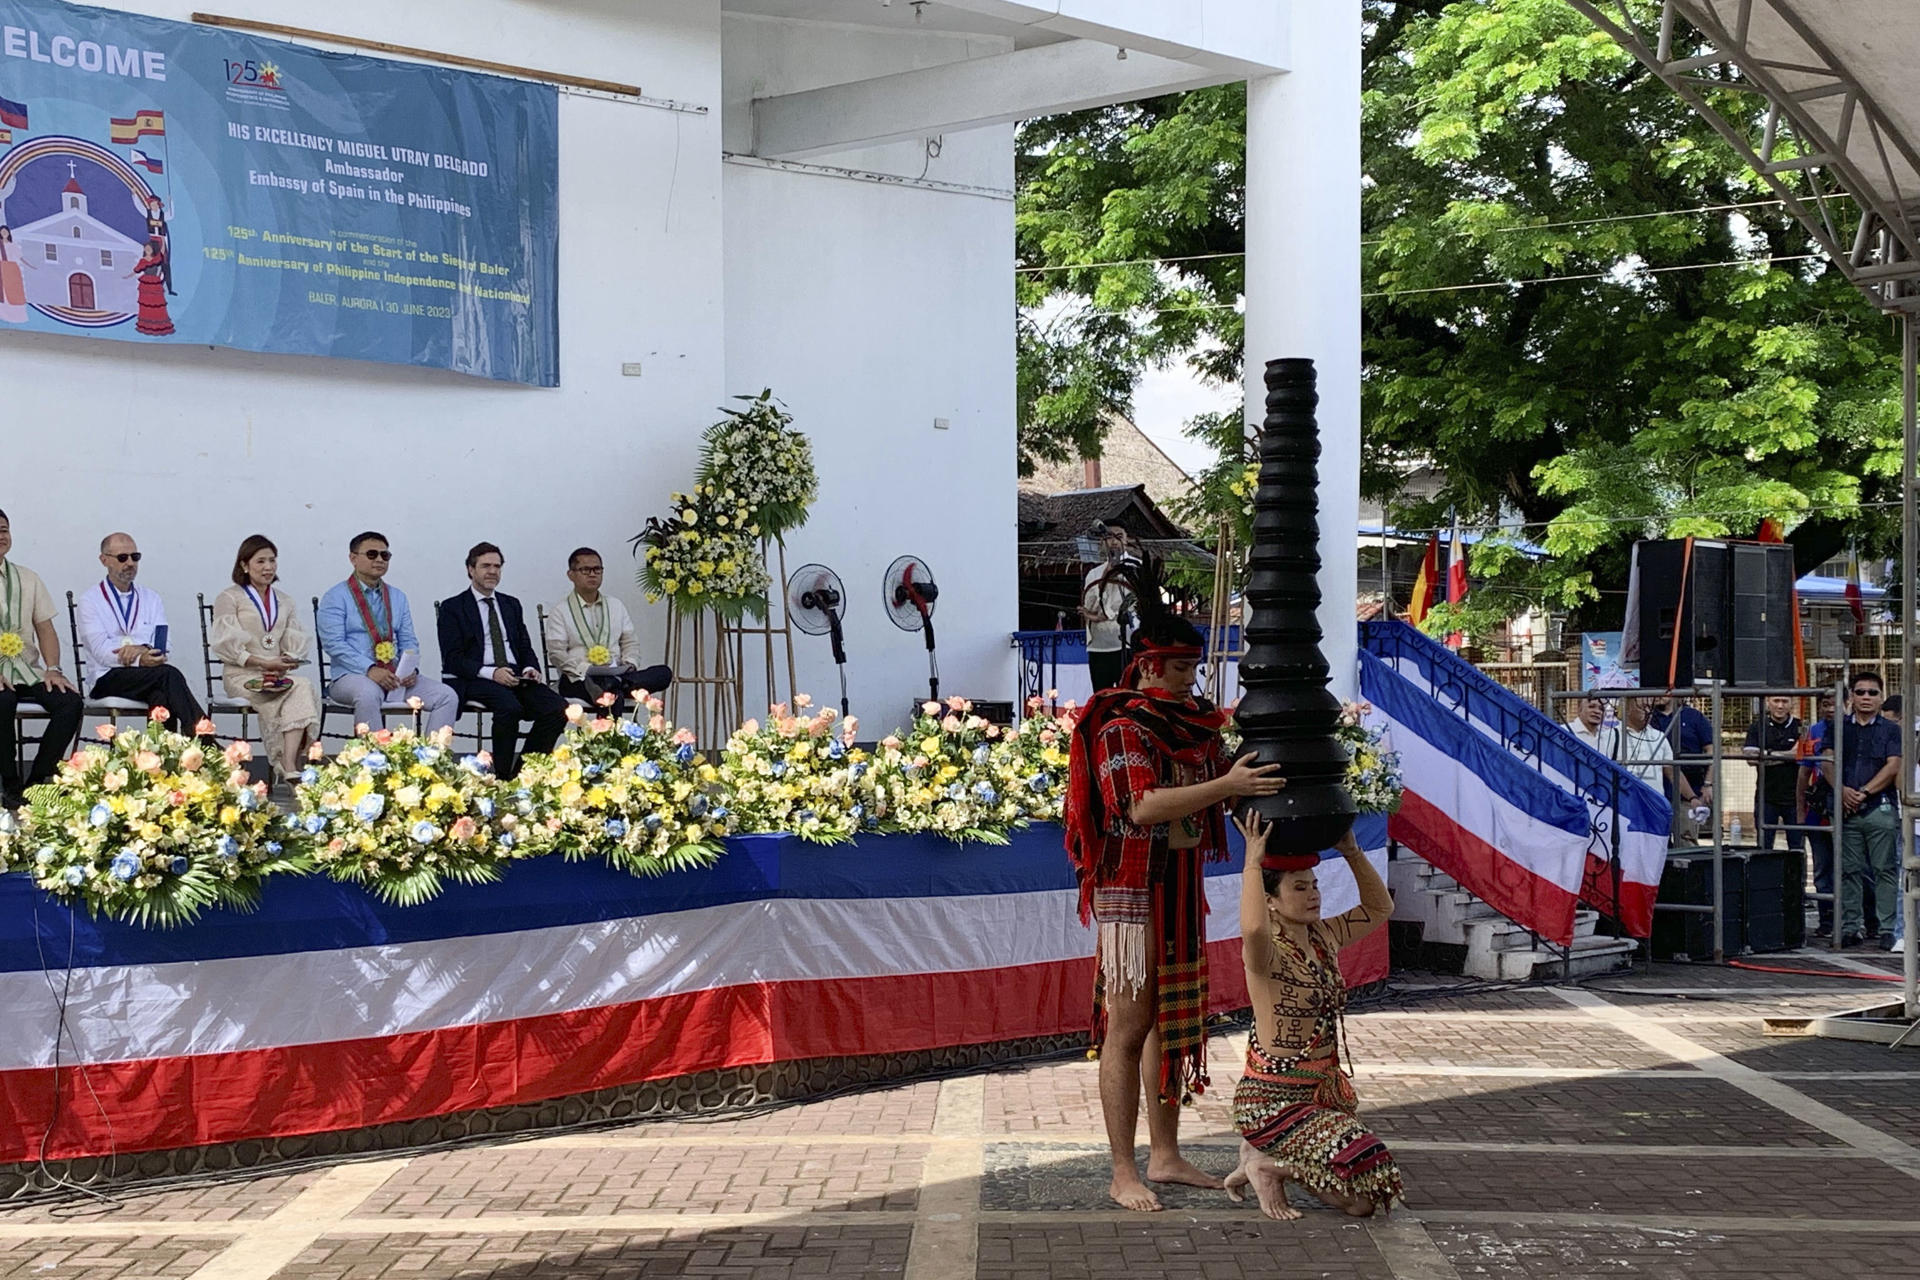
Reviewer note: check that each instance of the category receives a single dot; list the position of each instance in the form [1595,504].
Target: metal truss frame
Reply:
[1815,171]
[1858,213]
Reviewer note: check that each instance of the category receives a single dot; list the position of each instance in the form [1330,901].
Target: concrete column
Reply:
[1303,274]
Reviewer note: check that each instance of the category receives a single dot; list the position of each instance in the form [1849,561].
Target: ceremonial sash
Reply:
[598,646]
[373,631]
[13,639]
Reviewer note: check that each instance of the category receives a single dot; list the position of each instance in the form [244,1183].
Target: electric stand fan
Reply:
[909,594]
[816,601]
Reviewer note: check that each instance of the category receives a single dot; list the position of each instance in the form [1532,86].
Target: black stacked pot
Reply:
[1287,715]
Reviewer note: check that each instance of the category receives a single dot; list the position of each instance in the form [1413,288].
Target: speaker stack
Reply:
[1716,612]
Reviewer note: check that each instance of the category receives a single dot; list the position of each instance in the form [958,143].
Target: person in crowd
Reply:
[1589,724]
[1687,729]
[1106,602]
[257,636]
[1868,771]
[488,657]
[1147,792]
[592,642]
[120,629]
[30,673]
[1813,806]
[366,629]
[1295,1107]
[1770,745]
[1643,747]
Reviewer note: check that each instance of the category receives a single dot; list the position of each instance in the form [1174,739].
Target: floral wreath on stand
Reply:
[756,481]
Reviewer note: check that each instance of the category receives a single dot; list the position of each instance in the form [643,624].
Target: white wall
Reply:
[873,310]
[191,449]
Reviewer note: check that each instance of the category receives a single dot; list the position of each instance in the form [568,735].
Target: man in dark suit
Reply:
[489,659]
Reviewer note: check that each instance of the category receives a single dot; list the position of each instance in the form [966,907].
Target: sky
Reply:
[1163,401]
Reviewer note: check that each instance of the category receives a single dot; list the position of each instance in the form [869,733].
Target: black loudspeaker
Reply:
[1763,622]
[1716,611]
[1763,907]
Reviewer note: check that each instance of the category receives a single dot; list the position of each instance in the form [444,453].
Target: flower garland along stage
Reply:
[152,826]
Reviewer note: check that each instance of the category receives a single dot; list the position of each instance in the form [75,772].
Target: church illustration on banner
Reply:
[77,263]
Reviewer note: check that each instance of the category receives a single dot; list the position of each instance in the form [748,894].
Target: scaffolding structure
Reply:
[1838,161]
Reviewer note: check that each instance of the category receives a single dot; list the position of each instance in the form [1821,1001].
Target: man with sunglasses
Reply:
[1869,837]
[120,626]
[366,629]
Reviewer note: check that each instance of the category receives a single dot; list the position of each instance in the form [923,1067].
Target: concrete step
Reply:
[1591,955]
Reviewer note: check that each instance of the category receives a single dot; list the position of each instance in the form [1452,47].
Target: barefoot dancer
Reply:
[1147,790]
[1295,1107]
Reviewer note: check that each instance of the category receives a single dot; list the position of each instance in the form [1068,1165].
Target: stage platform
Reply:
[567,993]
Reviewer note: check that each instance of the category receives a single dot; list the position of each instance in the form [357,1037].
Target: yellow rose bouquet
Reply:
[151,826]
[630,789]
[402,814]
[706,555]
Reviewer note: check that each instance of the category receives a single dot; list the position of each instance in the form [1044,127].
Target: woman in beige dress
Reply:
[257,634]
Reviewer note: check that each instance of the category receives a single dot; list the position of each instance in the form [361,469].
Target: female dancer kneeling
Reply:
[1295,1107]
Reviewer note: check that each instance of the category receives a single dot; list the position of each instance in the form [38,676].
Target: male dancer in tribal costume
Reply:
[1295,1108]
[1147,793]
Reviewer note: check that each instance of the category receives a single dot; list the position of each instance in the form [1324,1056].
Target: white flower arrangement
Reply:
[754,455]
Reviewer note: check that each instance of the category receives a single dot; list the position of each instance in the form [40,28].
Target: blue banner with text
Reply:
[166,182]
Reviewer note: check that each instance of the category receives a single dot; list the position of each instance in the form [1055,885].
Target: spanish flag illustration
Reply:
[142,125]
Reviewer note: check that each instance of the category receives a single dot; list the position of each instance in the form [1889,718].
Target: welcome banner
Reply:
[163,182]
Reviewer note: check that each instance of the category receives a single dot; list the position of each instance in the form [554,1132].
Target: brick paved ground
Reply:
[1642,1127]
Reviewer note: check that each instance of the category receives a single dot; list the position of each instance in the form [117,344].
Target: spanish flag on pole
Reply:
[1427,585]
[127,132]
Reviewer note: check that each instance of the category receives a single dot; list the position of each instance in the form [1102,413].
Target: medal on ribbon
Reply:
[268,609]
[128,613]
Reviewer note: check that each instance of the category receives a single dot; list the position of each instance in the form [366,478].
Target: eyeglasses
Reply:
[378,555]
[591,568]
[1867,692]
[124,556]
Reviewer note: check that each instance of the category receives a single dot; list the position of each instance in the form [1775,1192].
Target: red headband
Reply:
[1285,862]
[1149,649]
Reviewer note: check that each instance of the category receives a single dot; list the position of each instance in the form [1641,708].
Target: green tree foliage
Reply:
[1601,376]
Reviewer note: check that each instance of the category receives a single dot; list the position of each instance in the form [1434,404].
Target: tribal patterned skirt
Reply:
[1305,1117]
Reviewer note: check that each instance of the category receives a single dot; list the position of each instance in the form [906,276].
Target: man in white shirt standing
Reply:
[119,624]
[1643,747]
[1105,602]
[591,641]
[1589,724]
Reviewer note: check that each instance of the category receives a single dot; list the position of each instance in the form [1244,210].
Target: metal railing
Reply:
[1716,699]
